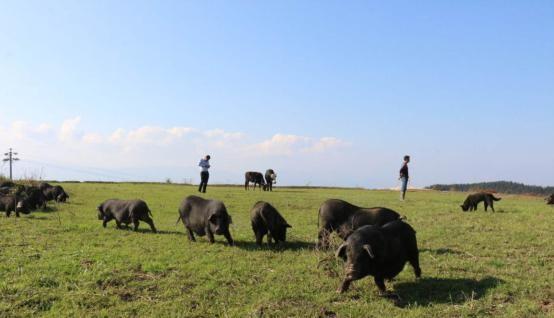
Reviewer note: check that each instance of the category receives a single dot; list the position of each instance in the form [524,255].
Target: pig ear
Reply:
[230,219]
[287,225]
[212,217]
[341,251]
[369,251]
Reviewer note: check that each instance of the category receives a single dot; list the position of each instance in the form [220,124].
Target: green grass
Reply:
[63,263]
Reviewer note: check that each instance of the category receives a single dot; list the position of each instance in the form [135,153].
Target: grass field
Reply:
[63,263]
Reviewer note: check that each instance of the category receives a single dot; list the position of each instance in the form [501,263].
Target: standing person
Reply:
[204,165]
[404,175]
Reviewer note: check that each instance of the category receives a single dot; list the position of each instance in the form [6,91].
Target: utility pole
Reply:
[10,157]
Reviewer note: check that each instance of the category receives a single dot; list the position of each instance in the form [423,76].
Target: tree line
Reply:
[496,186]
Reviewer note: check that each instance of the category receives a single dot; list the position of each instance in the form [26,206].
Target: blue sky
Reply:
[328,93]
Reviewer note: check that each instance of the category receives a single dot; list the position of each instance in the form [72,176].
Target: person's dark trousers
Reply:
[204,176]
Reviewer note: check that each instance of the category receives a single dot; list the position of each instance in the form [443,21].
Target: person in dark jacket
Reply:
[204,165]
[404,176]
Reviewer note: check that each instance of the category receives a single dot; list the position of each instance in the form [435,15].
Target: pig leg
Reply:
[105,221]
[270,238]
[380,282]
[191,235]
[345,284]
[118,224]
[150,222]
[229,238]
[413,257]
[414,261]
[210,235]
[136,224]
[259,238]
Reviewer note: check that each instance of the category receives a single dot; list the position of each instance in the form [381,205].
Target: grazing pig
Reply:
[380,252]
[126,212]
[44,185]
[205,217]
[342,217]
[7,184]
[56,193]
[550,199]
[35,197]
[12,203]
[267,220]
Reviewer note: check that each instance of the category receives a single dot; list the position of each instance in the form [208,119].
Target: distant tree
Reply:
[497,186]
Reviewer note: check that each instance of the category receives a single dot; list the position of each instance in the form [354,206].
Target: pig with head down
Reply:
[380,252]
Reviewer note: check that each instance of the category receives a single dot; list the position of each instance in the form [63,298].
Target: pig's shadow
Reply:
[440,251]
[291,191]
[35,217]
[428,291]
[47,209]
[287,246]
[147,230]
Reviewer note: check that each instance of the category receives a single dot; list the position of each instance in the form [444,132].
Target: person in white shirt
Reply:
[204,165]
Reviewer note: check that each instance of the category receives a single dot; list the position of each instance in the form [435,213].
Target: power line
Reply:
[10,157]
[89,171]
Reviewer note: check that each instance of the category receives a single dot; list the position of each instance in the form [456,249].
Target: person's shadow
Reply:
[428,291]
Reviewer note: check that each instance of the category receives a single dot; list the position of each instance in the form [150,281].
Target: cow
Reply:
[265,219]
[254,177]
[550,199]
[205,217]
[56,193]
[473,200]
[380,252]
[12,203]
[125,212]
[270,179]
[343,218]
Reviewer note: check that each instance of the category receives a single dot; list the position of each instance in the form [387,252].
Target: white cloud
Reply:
[281,144]
[145,134]
[21,129]
[174,150]
[180,131]
[214,133]
[117,135]
[68,128]
[326,143]
[149,135]
[92,138]
[44,128]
